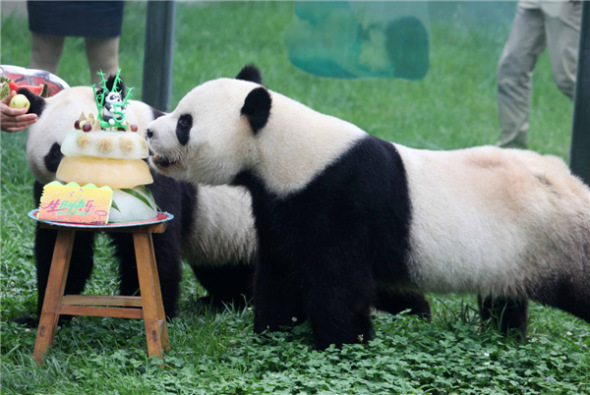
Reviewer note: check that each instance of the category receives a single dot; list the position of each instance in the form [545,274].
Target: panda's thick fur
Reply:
[342,216]
[212,229]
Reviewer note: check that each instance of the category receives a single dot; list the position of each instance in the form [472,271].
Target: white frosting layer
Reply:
[103,144]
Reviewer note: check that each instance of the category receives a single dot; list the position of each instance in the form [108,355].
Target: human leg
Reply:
[102,55]
[563,37]
[515,71]
[46,51]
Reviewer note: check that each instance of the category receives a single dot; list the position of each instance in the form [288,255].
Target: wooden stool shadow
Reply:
[148,306]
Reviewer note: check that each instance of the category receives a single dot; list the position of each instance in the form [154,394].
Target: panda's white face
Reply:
[206,139]
[114,97]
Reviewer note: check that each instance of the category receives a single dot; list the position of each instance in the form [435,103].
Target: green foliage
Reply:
[215,352]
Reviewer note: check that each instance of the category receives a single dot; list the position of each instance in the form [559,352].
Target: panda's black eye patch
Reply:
[183,128]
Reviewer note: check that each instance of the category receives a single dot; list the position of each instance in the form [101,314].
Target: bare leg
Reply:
[103,55]
[46,51]
[515,71]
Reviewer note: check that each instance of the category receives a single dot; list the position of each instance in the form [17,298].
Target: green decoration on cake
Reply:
[111,105]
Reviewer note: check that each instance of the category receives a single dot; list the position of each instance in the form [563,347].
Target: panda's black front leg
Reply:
[509,313]
[339,296]
[277,296]
[125,253]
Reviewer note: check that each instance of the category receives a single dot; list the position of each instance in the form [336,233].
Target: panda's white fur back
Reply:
[493,221]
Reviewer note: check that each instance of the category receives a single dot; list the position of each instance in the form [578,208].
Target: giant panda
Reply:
[341,215]
[212,227]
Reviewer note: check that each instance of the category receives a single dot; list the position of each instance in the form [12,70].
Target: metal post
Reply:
[157,63]
[580,149]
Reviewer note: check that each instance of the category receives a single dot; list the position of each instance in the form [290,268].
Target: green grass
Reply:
[216,352]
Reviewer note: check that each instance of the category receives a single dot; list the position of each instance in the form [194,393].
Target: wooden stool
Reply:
[148,306]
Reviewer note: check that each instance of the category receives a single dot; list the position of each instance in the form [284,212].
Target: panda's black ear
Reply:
[37,102]
[250,73]
[257,108]
[157,113]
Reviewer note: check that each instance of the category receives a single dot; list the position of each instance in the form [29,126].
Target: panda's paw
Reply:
[28,321]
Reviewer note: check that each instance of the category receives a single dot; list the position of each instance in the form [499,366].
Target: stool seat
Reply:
[147,307]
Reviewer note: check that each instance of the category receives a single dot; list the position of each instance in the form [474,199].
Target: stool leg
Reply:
[56,283]
[151,296]
[161,314]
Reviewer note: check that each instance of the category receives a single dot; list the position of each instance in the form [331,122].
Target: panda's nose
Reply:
[150,133]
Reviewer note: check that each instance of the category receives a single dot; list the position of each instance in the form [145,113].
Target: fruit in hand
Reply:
[20,101]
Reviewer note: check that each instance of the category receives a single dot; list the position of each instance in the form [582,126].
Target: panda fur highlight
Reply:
[342,216]
[212,228]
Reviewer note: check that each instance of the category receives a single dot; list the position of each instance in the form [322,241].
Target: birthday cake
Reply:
[106,151]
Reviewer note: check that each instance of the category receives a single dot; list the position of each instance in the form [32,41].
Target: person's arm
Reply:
[14,119]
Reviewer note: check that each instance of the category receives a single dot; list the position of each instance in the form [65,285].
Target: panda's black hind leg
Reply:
[508,313]
[395,302]
[168,261]
[226,284]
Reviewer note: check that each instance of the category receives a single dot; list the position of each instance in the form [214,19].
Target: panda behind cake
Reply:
[106,151]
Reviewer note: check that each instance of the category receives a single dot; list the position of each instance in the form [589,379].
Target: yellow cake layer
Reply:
[115,173]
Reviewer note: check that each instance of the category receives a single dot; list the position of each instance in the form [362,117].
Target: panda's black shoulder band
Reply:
[37,102]
[257,108]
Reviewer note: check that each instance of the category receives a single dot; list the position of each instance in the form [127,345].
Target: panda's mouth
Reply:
[161,161]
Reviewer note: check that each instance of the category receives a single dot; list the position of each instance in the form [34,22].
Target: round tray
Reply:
[161,217]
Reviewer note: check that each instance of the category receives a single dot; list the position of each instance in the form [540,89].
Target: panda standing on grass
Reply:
[342,216]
